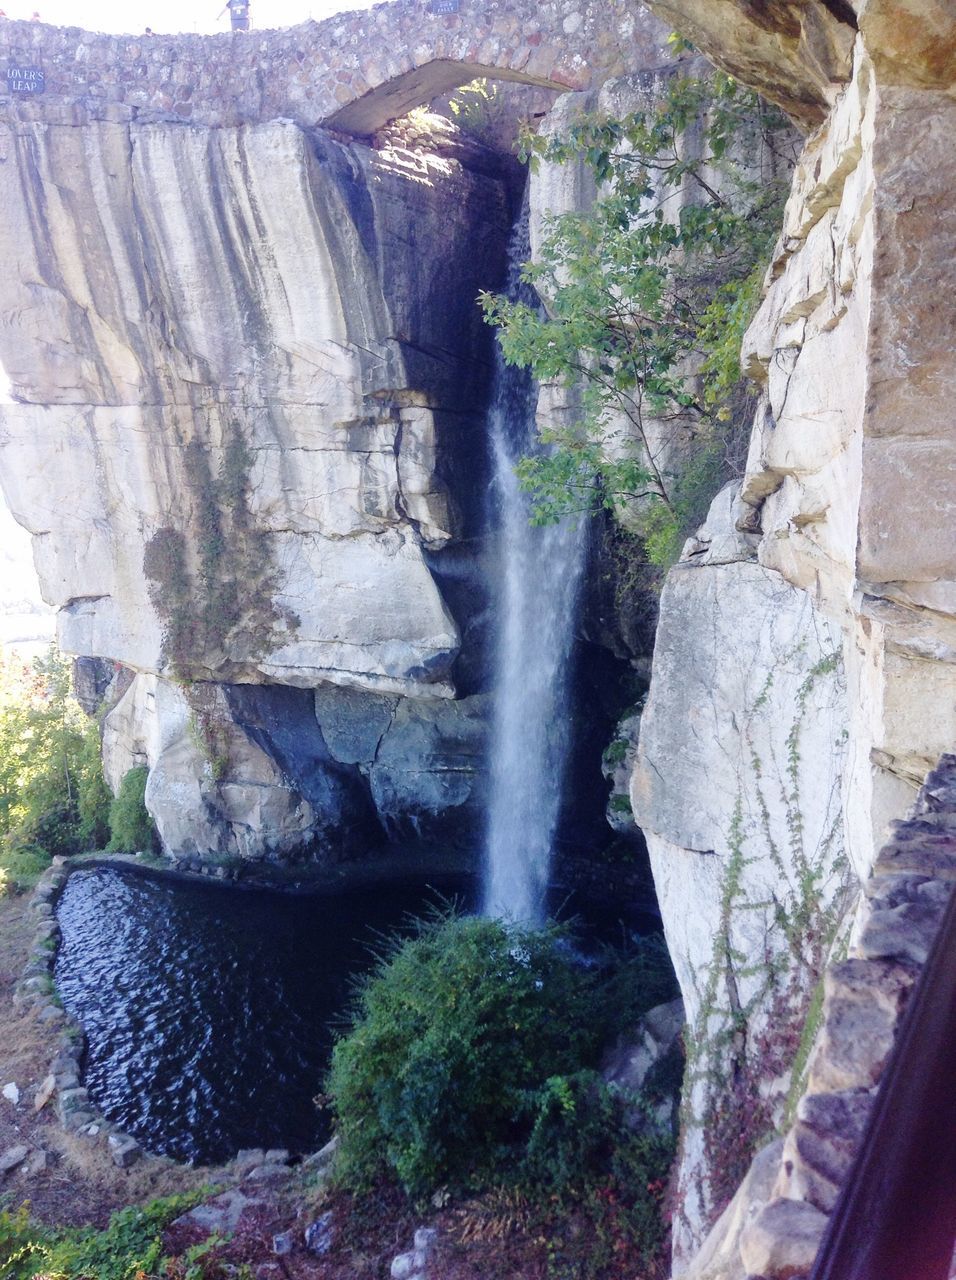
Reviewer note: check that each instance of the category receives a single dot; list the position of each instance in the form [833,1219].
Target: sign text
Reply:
[25,80]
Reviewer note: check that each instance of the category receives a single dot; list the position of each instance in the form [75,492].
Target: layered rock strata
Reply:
[844,520]
[248,378]
[738,791]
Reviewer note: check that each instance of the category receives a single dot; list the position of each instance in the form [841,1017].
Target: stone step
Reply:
[863,1001]
[820,1147]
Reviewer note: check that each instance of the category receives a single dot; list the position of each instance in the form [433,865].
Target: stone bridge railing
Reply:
[355,71]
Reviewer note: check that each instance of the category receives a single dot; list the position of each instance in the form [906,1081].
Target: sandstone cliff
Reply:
[248,379]
[804,680]
[253,345]
[248,387]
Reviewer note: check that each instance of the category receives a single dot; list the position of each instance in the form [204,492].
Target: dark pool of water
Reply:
[208,1009]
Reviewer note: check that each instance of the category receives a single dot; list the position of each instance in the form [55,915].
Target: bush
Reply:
[601,1171]
[452,1036]
[92,794]
[23,864]
[462,1039]
[130,824]
[469,1069]
[53,799]
[129,1248]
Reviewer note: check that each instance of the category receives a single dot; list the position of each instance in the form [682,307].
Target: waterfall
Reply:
[535,599]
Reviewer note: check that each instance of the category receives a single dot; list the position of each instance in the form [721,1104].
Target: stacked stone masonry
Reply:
[774,1226]
[36,989]
[391,58]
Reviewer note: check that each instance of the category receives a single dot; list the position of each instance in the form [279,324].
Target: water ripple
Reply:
[207,1008]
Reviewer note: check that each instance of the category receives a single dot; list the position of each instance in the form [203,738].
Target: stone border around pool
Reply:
[37,988]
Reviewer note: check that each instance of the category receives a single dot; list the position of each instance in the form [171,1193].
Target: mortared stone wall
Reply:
[354,72]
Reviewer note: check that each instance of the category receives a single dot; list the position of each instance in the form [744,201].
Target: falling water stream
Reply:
[206,1009]
[538,571]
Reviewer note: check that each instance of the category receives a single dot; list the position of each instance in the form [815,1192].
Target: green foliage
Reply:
[207,731]
[589,1150]
[128,1249]
[22,865]
[24,1250]
[615,752]
[93,795]
[647,295]
[130,823]
[478,110]
[469,1062]
[452,1036]
[738,1046]
[53,798]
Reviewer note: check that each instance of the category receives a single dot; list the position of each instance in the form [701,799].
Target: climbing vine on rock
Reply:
[646,296]
[213,577]
[748,1044]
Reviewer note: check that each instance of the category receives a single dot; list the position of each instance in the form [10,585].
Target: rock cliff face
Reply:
[248,378]
[26,623]
[804,680]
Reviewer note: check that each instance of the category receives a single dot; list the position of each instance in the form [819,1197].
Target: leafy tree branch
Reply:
[645,297]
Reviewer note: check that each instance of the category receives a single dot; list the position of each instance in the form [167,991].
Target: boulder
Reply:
[319,1235]
[13,1156]
[219,1216]
[783,1239]
[283,1243]
[45,1092]
[124,1150]
[649,1061]
[430,770]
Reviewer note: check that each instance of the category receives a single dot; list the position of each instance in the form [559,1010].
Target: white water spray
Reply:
[536,589]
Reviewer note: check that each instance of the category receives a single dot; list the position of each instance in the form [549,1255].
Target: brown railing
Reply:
[896,1217]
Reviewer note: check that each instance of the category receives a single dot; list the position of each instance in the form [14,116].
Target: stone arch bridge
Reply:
[353,72]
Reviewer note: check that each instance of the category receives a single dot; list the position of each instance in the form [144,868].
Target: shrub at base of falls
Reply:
[53,798]
[131,829]
[470,1072]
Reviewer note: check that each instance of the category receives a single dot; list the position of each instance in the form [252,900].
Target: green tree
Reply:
[131,827]
[645,299]
[53,799]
